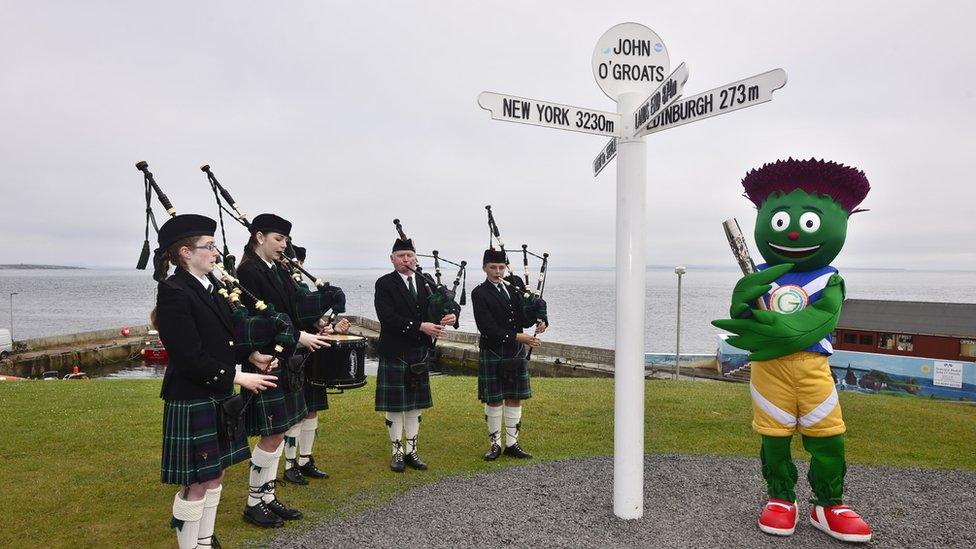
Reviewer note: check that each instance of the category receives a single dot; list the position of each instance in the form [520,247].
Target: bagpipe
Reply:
[442,299]
[314,308]
[532,303]
[268,329]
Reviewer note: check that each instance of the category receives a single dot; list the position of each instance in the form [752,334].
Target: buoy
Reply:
[126,331]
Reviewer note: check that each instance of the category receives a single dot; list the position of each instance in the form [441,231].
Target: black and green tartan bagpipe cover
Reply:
[441,303]
[312,305]
[533,306]
[262,330]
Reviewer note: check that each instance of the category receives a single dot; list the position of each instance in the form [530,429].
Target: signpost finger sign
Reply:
[730,97]
[551,115]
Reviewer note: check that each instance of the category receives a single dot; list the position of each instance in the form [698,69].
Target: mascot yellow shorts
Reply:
[795,393]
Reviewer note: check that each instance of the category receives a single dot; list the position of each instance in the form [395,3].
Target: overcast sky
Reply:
[342,116]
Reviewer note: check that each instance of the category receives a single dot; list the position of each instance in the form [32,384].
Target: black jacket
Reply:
[258,278]
[198,333]
[400,315]
[498,319]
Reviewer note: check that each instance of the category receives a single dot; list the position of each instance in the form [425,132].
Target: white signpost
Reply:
[630,62]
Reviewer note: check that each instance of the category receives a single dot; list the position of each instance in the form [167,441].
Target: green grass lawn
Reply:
[80,460]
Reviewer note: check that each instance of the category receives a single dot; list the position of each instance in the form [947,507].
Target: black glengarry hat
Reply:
[183,226]
[299,253]
[401,245]
[270,223]
[493,256]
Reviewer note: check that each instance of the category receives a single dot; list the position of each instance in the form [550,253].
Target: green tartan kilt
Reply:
[316,398]
[394,391]
[192,451]
[492,387]
[274,411]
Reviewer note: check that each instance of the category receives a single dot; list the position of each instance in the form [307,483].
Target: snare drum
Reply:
[341,366]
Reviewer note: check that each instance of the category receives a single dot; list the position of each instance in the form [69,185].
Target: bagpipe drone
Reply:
[314,308]
[264,331]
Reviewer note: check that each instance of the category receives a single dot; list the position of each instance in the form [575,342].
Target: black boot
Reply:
[413,460]
[276,506]
[260,515]
[516,451]
[310,470]
[494,452]
[293,474]
[396,464]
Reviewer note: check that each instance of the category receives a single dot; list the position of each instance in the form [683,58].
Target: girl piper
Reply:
[196,327]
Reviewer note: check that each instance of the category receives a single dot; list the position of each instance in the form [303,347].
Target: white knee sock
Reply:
[411,426]
[261,463]
[394,424]
[493,416]
[513,423]
[307,438]
[291,443]
[189,514]
[210,503]
[271,473]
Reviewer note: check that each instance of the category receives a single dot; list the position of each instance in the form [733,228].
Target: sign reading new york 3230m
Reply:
[630,58]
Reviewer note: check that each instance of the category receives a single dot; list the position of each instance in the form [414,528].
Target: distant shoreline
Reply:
[28,267]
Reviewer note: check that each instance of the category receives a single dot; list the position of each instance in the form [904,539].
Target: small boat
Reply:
[152,350]
[53,375]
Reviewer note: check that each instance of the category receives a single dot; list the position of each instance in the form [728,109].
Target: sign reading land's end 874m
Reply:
[630,58]
[730,97]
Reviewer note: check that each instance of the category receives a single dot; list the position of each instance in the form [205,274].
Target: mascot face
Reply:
[807,230]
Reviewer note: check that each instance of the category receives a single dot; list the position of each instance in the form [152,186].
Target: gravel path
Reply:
[690,501]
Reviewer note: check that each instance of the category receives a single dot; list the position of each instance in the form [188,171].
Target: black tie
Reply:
[504,292]
[275,278]
[413,291]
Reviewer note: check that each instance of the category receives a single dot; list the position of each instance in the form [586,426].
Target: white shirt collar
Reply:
[270,264]
[405,277]
[203,280]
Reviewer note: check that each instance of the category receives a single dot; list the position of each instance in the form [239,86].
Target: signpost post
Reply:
[629,63]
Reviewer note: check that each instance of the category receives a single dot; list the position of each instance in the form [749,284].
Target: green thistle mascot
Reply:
[783,315]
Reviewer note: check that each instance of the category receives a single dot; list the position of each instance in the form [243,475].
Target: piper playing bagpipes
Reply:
[801,225]
[276,414]
[413,313]
[502,309]
[205,336]
[307,310]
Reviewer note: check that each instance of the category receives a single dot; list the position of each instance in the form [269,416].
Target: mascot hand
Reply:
[753,286]
[771,335]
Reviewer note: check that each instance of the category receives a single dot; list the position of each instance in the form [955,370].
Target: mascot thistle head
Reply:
[803,207]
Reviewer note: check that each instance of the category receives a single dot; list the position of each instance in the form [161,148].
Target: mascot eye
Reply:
[809,222]
[781,221]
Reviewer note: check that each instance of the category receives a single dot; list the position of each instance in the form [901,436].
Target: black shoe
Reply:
[493,454]
[310,470]
[396,464]
[293,474]
[260,515]
[214,544]
[516,451]
[413,460]
[283,511]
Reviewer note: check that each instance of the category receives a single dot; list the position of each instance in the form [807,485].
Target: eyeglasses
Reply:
[211,247]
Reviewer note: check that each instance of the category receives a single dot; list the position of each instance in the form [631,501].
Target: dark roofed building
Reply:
[909,328]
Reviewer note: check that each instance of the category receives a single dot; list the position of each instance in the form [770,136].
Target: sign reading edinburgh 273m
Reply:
[630,58]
